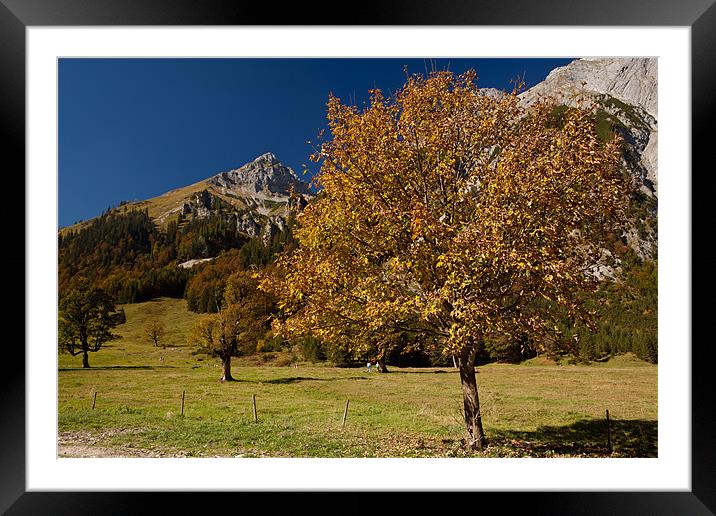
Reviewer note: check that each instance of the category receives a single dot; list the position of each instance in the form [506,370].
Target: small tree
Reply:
[154,330]
[243,317]
[202,333]
[87,315]
[450,214]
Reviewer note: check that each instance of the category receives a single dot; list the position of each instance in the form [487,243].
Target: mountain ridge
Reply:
[261,193]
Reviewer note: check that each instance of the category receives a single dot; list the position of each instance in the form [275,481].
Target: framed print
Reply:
[105,98]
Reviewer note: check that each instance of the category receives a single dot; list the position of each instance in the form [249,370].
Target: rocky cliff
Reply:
[625,88]
[630,80]
[256,197]
[263,178]
[625,94]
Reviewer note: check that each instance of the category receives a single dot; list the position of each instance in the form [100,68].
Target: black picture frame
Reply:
[17,15]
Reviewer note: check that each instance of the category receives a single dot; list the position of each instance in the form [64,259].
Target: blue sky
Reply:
[132,129]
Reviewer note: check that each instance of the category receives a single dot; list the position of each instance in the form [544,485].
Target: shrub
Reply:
[311,349]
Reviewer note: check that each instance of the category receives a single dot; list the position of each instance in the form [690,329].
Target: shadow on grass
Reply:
[587,437]
[117,368]
[296,379]
[423,372]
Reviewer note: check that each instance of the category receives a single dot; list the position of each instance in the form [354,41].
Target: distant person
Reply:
[368,364]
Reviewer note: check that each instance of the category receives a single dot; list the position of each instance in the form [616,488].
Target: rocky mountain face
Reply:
[624,91]
[263,178]
[255,198]
[253,221]
[631,80]
[625,88]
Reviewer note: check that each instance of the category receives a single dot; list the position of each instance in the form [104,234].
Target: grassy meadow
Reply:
[537,408]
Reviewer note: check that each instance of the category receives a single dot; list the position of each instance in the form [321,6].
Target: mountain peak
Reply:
[265,176]
[266,156]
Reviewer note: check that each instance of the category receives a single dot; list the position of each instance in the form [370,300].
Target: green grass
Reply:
[540,409]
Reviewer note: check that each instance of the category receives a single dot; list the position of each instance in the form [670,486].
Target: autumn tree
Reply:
[242,319]
[449,214]
[154,330]
[201,334]
[87,315]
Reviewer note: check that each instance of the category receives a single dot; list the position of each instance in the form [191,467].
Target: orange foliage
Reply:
[447,212]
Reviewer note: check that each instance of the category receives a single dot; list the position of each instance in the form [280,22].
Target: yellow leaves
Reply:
[441,206]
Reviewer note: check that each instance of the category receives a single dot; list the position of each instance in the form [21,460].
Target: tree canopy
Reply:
[86,317]
[154,331]
[452,215]
[241,322]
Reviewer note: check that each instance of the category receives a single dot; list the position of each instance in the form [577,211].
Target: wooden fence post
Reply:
[182,403]
[253,403]
[609,435]
[94,399]
[345,415]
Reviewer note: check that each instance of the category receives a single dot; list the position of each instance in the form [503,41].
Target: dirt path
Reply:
[79,444]
[86,444]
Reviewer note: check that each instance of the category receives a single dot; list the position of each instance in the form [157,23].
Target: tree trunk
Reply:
[454,362]
[471,402]
[85,360]
[381,366]
[226,369]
